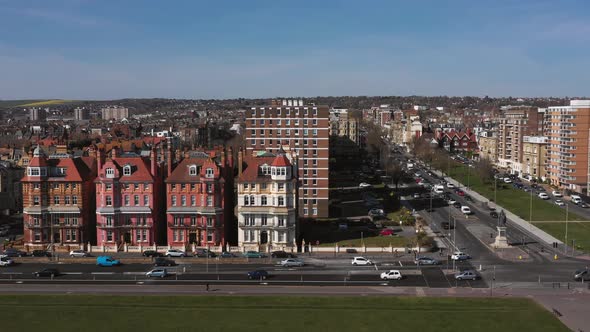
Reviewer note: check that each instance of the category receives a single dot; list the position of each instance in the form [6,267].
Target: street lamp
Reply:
[566,219]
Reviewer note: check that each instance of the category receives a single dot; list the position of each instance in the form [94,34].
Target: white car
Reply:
[451,201]
[450,185]
[289,262]
[459,256]
[361,261]
[543,196]
[465,209]
[556,193]
[364,185]
[391,275]
[175,253]
[6,261]
[507,180]
[78,253]
[559,202]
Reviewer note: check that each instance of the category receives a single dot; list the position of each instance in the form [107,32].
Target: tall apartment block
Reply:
[37,114]
[114,113]
[514,125]
[567,129]
[305,130]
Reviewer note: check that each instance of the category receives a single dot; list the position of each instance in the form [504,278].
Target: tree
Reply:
[375,137]
[485,170]
[396,172]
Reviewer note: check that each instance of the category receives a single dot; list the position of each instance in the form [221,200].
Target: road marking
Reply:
[139,283]
[76,273]
[12,273]
[400,263]
[131,273]
[102,272]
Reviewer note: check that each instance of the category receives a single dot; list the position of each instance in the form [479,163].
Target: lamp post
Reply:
[495,190]
[566,219]
[454,238]
[207,241]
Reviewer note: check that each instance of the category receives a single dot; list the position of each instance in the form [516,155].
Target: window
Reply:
[74,185]
[126,200]
[262,200]
[209,173]
[146,200]
[246,200]
[56,200]
[110,172]
[209,236]
[263,186]
[281,201]
[193,221]
[177,221]
[136,186]
[126,186]
[127,170]
[109,236]
[138,235]
[109,221]
[108,187]
[34,171]
[315,132]
[67,200]
[193,200]
[183,200]
[36,186]
[281,186]
[281,221]
[192,170]
[209,201]
[75,200]
[37,236]
[109,201]
[209,187]
[314,211]
[315,142]
[281,236]
[252,200]
[264,220]
[305,211]
[173,200]
[182,187]
[210,222]
[314,192]
[136,200]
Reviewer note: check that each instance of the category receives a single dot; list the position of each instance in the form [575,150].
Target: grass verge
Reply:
[576,231]
[374,241]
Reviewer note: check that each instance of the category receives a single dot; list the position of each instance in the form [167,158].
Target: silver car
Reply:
[289,262]
[468,274]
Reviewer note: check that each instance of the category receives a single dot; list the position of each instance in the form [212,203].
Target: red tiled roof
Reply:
[252,173]
[281,161]
[77,169]
[181,171]
[141,171]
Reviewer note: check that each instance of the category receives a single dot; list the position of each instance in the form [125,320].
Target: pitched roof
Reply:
[281,161]
[181,171]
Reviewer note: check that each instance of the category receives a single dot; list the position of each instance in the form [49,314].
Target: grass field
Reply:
[515,200]
[46,103]
[374,241]
[271,313]
[578,231]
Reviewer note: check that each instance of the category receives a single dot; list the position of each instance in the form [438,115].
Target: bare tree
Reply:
[485,170]
[396,172]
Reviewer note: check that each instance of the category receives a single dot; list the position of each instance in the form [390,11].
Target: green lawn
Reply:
[271,313]
[515,200]
[575,231]
[374,241]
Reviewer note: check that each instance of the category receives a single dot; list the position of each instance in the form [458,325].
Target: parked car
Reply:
[576,199]
[282,254]
[582,275]
[543,196]
[457,205]
[450,185]
[161,261]
[451,201]
[254,254]
[107,261]
[226,254]
[459,256]
[11,252]
[361,261]
[376,212]
[559,202]
[467,274]
[387,232]
[41,253]
[201,252]
[363,185]
[494,214]
[78,253]
[556,193]
[6,261]
[257,274]
[49,272]
[391,275]
[460,193]
[151,253]
[291,262]
[425,261]
[175,253]
[157,273]
[507,180]
[465,209]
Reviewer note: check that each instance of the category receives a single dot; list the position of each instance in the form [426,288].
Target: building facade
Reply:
[58,200]
[129,200]
[534,157]
[513,126]
[11,197]
[266,206]
[199,192]
[116,113]
[567,130]
[303,129]
[488,146]
[37,114]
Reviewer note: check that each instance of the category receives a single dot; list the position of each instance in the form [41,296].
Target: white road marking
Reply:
[102,272]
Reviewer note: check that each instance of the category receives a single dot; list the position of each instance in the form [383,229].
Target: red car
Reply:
[460,193]
[386,232]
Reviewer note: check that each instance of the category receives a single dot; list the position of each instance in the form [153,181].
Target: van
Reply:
[107,261]
[576,199]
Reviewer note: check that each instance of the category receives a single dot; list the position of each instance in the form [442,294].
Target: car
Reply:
[226,254]
[282,254]
[11,252]
[376,212]
[78,253]
[507,180]
[460,193]
[459,256]
[254,254]
[157,273]
[576,199]
[452,201]
[494,214]
[447,225]
[49,272]
[201,252]
[556,193]
[582,275]
[467,274]
[161,261]
[543,196]
[450,185]
[465,209]
[559,202]
[457,205]
[107,261]
[361,261]
[151,253]
[387,232]
[363,185]
[6,261]
[41,253]
[416,195]
[426,261]
[292,262]
[391,275]
[257,274]
[175,253]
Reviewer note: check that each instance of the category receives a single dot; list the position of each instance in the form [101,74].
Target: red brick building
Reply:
[58,200]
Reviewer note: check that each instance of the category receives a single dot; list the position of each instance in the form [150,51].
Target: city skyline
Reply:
[260,49]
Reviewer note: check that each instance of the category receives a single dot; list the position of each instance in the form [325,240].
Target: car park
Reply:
[425,261]
[257,274]
[438,189]
[361,261]
[226,254]
[507,180]
[175,253]
[78,253]
[292,262]
[559,202]
[161,261]
[582,275]
[460,256]
[151,253]
[254,254]
[460,193]
[556,193]
[465,209]
[157,273]
[282,254]
[467,275]
[391,275]
[576,199]
[543,196]
[47,273]
[451,201]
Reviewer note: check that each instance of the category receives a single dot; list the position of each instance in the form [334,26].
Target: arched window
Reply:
[209,173]
[127,170]
[192,170]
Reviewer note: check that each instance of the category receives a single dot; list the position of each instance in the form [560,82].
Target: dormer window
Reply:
[34,171]
[110,172]
[209,173]
[127,170]
[192,170]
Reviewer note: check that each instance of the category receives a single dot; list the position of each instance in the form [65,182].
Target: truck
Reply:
[107,261]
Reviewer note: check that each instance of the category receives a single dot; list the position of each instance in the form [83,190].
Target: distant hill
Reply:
[15,103]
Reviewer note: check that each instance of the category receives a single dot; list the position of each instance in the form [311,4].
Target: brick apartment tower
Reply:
[58,200]
[305,130]
[567,129]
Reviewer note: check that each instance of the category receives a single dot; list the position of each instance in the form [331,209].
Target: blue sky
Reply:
[107,49]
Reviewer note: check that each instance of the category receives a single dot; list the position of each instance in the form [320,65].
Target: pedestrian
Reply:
[207,286]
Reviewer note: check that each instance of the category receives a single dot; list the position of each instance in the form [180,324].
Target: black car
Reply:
[457,205]
[468,198]
[494,214]
[161,261]
[41,253]
[446,225]
[257,274]
[281,254]
[11,252]
[204,253]
[151,253]
[46,273]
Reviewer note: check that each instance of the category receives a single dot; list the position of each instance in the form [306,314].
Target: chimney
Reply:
[99,160]
[230,157]
[153,162]
[240,161]
[114,153]
[223,156]
[170,161]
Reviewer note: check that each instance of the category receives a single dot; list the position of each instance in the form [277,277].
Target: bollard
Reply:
[555,257]
[519,257]
[184,269]
[480,267]
[539,280]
